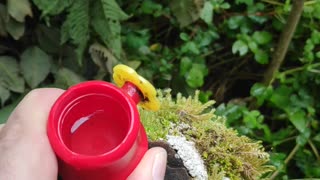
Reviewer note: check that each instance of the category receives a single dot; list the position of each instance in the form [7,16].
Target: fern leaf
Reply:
[52,7]
[108,30]
[112,10]
[76,26]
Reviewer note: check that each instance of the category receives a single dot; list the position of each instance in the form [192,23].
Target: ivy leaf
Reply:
[186,11]
[4,95]
[190,47]
[261,92]
[261,57]
[66,78]
[35,65]
[252,119]
[207,12]
[232,111]
[76,26]
[262,37]
[19,9]
[240,46]
[298,119]
[112,10]
[281,97]
[9,74]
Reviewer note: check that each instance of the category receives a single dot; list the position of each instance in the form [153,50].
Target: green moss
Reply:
[225,153]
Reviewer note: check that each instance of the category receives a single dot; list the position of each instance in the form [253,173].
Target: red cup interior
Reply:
[94,124]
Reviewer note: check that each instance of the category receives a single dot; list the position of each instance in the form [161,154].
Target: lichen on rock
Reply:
[225,153]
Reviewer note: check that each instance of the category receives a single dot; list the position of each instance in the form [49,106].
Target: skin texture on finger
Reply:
[25,150]
[152,166]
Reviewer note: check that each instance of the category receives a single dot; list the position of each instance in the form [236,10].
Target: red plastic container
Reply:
[95,130]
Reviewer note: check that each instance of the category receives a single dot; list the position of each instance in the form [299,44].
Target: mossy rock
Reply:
[224,152]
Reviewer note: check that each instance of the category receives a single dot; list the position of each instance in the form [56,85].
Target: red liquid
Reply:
[98,128]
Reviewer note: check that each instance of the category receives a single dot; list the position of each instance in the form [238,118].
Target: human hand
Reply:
[25,151]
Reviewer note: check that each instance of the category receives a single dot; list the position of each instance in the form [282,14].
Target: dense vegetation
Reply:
[258,59]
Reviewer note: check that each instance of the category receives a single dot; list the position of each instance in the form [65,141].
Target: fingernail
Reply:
[159,165]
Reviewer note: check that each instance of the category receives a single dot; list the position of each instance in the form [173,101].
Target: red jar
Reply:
[95,130]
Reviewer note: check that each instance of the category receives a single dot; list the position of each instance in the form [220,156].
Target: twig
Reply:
[284,41]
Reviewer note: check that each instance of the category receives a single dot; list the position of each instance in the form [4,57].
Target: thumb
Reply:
[152,166]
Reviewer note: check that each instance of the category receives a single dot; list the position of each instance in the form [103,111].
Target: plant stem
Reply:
[290,156]
[314,149]
[284,41]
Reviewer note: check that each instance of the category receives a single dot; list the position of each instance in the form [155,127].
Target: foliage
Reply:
[223,150]
[221,47]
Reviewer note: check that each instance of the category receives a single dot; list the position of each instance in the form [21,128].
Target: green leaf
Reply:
[112,10]
[239,46]
[261,57]
[235,22]
[19,9]
[317,137]
[277,159]
[109,30]
[299,120]
[4,95]
[195,77]
[261,92]
[262,37]
[253,46]
[66,78]
[207,12]
[225,5]
[35,65]
[247,2]
[184,36]
[150,7]
[48,39]
[252,119]
[303,138]
[52,7]
[4,18]
[185,65]
[190,47]
[232,112]
[15,29]
[9,74]
[76,26]
[186,11]
[281,97]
